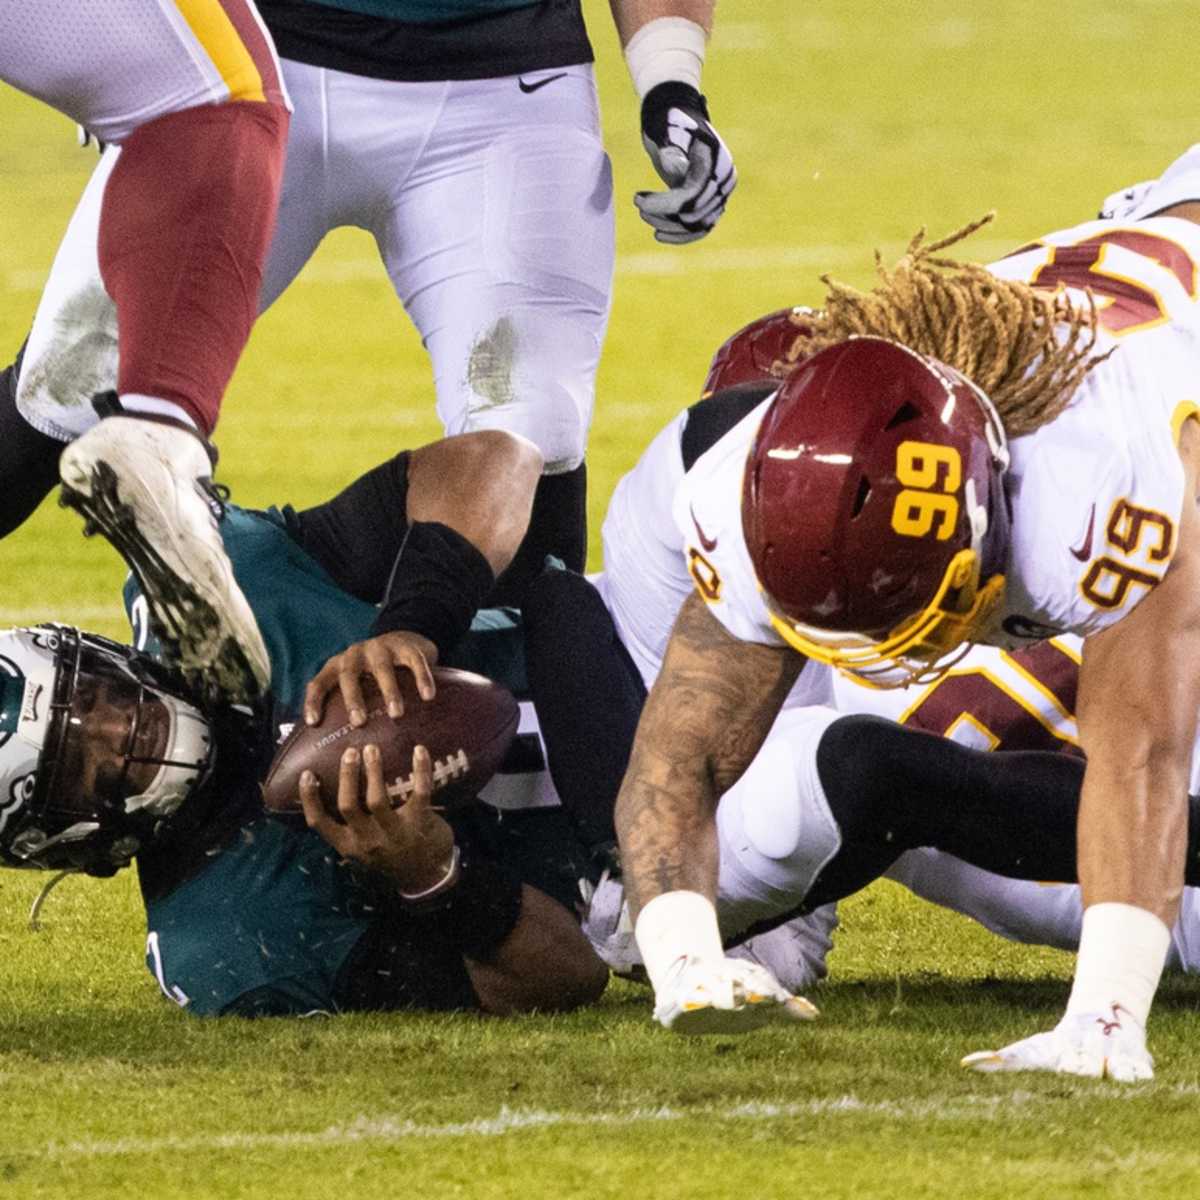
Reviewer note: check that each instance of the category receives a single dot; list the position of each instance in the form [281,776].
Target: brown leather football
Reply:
[467,728]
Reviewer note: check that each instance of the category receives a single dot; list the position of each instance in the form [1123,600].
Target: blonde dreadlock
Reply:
[1001,334]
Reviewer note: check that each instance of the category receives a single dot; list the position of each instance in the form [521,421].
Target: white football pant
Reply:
[492,211]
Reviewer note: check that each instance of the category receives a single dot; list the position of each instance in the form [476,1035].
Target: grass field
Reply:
[852,124]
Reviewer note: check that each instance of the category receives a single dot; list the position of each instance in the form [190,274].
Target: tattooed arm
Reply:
[704,721]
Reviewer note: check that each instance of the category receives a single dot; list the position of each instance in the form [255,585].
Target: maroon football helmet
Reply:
[750,354]
[874,511]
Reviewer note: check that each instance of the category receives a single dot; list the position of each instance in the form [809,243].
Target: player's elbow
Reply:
[546,964]
[580,982]
[574,980]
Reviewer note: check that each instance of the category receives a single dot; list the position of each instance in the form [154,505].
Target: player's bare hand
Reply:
[380,657]
[388,826]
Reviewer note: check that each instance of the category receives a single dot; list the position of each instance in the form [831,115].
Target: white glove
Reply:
[690,158]
[727,996]
[1108,1045]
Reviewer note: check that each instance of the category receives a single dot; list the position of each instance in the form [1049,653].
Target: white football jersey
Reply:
[643,582]
[1096,494]
[649,569]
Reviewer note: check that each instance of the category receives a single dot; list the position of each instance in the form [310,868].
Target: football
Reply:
[467,728]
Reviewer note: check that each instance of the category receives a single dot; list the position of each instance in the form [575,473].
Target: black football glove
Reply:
[690,157]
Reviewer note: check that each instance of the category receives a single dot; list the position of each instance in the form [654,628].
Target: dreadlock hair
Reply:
[1005,336]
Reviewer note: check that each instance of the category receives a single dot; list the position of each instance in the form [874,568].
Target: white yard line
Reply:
[81,614]
[509,1121]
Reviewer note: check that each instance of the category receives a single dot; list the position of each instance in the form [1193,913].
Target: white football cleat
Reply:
[147,487]
[728,996]
[1108,1045]
[608,925]
[794,952]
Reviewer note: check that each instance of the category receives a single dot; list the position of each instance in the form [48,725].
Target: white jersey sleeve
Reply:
[652,563]
[708,515]
[1097,493]
[644,581]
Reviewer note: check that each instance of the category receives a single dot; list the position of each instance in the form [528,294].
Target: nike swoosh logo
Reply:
[707,544]
[1084,551]
[539,83]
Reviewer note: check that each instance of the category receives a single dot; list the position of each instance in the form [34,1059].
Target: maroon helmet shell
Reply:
[750,355]
[872,473]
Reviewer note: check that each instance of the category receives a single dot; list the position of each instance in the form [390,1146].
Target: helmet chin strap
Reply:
[35,909]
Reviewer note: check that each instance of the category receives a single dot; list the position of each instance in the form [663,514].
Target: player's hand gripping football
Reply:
[727,996]
[378,656]
[411,843]
[690,158]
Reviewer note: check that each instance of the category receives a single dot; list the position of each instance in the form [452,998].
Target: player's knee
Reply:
[548,421]
[498,453]
[532,374]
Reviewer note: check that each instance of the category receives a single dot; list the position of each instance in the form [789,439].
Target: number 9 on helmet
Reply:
[874,511]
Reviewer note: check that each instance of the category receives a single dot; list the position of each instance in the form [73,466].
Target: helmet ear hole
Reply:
[906,412]
[860,497]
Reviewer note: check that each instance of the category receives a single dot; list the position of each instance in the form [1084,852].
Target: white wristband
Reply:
[677,925]
[1122,949]
[667,48]
[447,881]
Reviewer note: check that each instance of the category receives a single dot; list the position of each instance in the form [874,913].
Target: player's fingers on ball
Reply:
[321,684]
[350,683]
[418,664]
[384,672]
[348,803]
[422,777]
[378,800]
[313,807]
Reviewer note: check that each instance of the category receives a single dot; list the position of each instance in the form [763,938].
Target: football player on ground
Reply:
[465,136]
[826,805]
[966,455]
[191,91]
[247,914]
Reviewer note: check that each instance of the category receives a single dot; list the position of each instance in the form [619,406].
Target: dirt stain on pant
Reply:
[490,366]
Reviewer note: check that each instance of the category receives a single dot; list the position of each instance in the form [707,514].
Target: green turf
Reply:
[853,123]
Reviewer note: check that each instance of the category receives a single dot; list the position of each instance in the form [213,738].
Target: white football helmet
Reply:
[99,747]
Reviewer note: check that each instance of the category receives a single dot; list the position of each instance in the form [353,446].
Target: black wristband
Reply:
[438,582]
[664,96]
[479,912]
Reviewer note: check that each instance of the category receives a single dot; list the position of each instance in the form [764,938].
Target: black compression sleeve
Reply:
[426,577]
[588,696]
[892,789]
[711,419]
[438,582]
[557,527]
[357,535]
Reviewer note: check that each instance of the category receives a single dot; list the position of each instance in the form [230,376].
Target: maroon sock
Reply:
[185,224]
